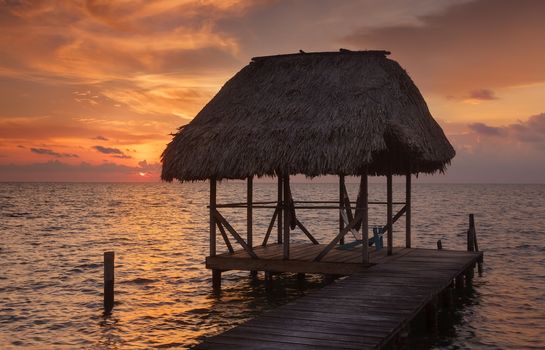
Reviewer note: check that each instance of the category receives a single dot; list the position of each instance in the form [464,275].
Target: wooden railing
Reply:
[224,225]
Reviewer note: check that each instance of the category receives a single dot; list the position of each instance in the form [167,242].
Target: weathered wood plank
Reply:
[365,310]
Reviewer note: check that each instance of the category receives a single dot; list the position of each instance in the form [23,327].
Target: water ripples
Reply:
[54,235]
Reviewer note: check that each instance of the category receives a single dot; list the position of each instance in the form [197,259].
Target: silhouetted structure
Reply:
[346,113]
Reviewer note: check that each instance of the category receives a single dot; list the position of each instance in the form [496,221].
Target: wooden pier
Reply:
[302,259]
[371,309]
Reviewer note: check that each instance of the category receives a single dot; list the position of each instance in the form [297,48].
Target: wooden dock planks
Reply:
[363,311]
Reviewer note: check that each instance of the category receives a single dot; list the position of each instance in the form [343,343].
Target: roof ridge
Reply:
[341,51]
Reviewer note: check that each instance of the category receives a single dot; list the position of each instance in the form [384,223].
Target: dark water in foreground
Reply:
[52,237]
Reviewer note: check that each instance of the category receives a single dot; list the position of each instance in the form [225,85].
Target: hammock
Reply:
[376,239]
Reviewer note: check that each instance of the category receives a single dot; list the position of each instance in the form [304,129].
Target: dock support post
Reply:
[216,279]
[108,282]
[431,315]
[341,205]
[364,187]
[408,210]
[301,278]
[459,281]
[439,245]
[389,211]
[280,208]
[286,218]
[249,216]
[268,280]
[469,276]
[447,298]
[470,234]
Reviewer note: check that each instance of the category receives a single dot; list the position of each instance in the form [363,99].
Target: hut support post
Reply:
[216,274]
[389,211]
[365,218]
[408,210]
[249,211]
[341,205]
[286,218]
[213,216]
[249,216]
[280,208]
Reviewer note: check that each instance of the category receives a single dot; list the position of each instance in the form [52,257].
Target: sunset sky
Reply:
[91,90]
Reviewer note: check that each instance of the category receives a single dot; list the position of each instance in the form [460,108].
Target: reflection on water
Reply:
[53,237]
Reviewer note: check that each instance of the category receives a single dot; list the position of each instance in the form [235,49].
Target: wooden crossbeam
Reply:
[304,229]
[269,230]
[235,234]
[341,234]
[225,238]
[399,214]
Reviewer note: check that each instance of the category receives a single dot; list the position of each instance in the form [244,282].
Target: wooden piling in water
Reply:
[447,299]
[109,258]
[459,281]
[216,279]
[439,245]
[301,277]
[432,315]
[473,232]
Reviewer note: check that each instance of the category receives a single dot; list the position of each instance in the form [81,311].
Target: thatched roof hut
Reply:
[342,113]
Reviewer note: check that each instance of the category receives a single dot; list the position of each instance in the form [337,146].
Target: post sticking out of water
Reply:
[439,245]
[471,234]
[108,282]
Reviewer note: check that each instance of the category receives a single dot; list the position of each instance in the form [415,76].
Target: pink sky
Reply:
[91,90]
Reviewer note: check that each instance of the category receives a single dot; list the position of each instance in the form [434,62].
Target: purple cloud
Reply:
[100,138]
[483,95]
[482,128]
[56,170]
[49,152]
[529,131]
[108,150]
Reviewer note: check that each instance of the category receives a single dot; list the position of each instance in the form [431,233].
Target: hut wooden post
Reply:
[389,211]
[408,210]
[216,274]
[365,218]
[249,210]
[249,216]
[280,208]
[341,205]
[212,216]
[286,218]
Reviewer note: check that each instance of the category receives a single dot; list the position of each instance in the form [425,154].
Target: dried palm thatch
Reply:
[315,114]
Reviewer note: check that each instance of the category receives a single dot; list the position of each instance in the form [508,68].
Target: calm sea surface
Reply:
[52,237]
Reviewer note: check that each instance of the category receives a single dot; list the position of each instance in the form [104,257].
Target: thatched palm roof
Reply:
[312,114]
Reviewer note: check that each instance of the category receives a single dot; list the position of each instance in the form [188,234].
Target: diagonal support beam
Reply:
[341,234]
[347,204]
[399,214]
[304,229]
[269,230]
[235,234]
[225,238]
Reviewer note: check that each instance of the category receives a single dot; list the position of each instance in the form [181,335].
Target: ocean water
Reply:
[52,237]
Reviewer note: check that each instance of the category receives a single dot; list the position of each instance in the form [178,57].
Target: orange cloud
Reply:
[124,74]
